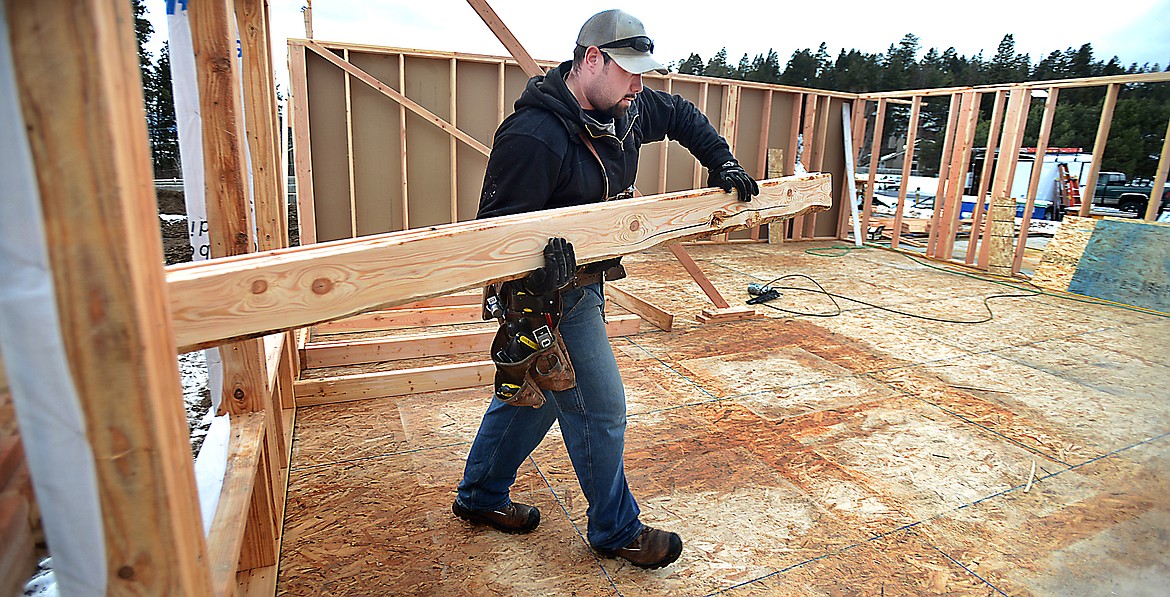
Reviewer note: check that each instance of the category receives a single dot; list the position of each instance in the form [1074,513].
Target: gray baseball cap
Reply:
[623,38]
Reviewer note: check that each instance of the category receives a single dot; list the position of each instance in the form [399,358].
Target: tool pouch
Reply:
[547,368]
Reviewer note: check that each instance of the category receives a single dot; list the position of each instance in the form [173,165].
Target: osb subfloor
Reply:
[864,454]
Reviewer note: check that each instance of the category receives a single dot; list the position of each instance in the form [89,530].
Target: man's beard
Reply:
[617,110]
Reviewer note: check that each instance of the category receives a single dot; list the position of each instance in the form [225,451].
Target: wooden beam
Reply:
[1034,180]
[394,319]
[80,89]
[347,93]
[693,269]
[657,316]
[985,176]
[496,24]
[907,168]
[1155,202]
[220,300]
[397,96]
[1099,148]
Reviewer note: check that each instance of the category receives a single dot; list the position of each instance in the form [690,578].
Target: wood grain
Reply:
[220,300]
[80,89]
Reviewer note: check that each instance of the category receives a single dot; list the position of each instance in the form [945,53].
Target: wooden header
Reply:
[224,299]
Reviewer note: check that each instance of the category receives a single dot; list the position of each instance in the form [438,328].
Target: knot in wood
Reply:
[259,287]
[717,219]
[221,65]
[791,193]
[238,394]
[126,572]
[322,285]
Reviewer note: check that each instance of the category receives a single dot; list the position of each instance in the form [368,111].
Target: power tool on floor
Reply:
[762,293]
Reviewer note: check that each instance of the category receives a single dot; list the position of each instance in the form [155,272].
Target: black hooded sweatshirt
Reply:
[539,161]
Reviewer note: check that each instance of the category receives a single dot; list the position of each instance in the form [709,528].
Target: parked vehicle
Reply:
[1113,190]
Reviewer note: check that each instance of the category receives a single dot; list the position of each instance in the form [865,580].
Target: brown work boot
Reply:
[652,549]
[514,518]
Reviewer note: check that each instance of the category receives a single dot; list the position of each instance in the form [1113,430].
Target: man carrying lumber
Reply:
[574,140]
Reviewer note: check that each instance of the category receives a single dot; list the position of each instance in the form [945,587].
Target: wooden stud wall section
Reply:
[944,175]
[978,228]
[1034,180]
[424,89]
[110,285]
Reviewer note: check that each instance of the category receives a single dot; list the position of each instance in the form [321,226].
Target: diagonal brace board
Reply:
[246,296]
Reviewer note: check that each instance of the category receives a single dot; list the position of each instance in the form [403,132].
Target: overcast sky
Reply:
[1133,30]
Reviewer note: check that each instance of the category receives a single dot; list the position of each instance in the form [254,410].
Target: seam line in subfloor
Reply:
[375,456]
[906,527]
[569,517]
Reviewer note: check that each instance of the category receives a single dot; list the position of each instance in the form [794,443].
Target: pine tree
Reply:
[693,65]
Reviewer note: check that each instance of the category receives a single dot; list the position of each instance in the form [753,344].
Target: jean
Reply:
[593,424]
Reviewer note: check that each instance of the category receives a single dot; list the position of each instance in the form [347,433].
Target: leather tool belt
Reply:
[528,351]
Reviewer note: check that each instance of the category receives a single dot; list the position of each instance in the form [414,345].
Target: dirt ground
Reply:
[866,453]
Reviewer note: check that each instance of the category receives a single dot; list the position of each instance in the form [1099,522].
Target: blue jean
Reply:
[593,425]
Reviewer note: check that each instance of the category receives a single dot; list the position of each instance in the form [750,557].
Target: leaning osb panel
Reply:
[1063,253]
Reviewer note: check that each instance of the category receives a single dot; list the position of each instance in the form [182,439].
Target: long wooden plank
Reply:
[1156,77]
[312,392]
[657,316]
[86,133]
[395,95]
[219,300]
[1103,126]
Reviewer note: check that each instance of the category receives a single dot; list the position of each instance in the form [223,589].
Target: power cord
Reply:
[771,286]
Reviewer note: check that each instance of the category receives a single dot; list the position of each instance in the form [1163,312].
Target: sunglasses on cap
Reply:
[640,43]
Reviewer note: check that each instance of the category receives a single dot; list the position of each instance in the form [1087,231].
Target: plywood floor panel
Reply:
[868,453]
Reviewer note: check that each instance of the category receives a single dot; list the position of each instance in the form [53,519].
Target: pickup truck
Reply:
[1113,190]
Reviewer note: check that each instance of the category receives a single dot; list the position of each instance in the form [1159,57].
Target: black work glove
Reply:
[560,265]
[732,176]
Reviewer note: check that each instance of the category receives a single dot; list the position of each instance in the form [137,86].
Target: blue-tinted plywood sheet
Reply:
[1126,262]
